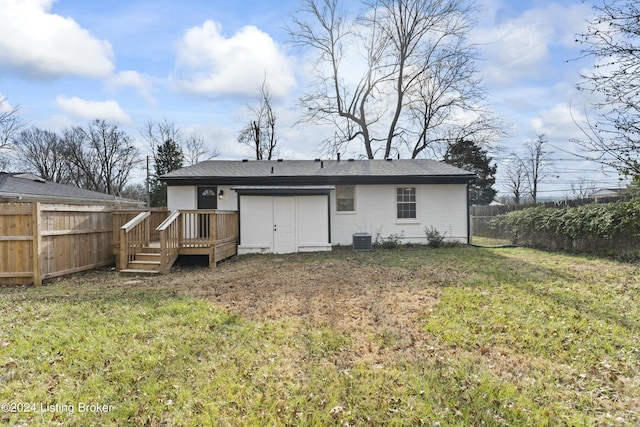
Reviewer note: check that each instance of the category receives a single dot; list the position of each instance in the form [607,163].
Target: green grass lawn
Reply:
[409,336]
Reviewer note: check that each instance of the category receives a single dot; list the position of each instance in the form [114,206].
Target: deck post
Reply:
[212,239]
[124,249]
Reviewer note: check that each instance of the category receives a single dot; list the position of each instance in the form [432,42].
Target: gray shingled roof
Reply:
[29,186]
[213,169]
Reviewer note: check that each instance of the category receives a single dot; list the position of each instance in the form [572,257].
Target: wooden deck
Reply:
[141,248]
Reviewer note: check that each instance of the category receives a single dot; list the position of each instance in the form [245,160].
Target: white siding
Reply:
[186,197]
[181,197]
[229,201]
[442,206]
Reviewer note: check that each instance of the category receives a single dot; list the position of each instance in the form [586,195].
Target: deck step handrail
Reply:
[152,241]
[170,232]
[134,236]
[135,221]
[168,221]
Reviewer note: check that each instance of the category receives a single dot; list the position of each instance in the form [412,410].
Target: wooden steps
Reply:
[145,262]
[184,232]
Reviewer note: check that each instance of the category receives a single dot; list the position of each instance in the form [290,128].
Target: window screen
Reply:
[345,198]
[406,202]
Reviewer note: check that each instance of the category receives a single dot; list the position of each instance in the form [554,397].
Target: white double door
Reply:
[283,224]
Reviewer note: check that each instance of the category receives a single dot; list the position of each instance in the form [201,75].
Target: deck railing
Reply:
[183,232]
[169,233]
[210,232]
[199,228]
[134,236]
[226,226]
[123,216]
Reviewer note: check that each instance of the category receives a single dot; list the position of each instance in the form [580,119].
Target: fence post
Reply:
[36,247]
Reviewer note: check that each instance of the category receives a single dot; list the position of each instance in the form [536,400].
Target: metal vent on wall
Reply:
[362,242]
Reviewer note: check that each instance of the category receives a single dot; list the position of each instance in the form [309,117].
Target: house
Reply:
[310,205]
[26,187]
[607,194]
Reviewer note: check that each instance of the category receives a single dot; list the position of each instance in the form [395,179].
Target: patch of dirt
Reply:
[378,307]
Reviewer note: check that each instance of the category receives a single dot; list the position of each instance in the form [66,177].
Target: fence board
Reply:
[40,241]
[16,245]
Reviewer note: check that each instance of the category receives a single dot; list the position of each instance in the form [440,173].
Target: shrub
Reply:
[600,229]
[392,241]
[435,239]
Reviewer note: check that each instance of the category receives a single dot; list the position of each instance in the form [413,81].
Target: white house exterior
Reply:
[305,205]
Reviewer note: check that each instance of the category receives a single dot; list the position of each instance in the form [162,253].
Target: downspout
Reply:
[239,223]
[329,215]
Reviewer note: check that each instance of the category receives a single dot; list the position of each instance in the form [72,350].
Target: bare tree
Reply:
[516,175]
[43,153]
[101,156]
[411,53]
[135,192]
[581,189]
[613,40]
[154,134]
[537,164]
[260,133]
[10,122]
[195,150]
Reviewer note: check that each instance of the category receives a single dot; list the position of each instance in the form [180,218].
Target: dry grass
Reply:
[456,336]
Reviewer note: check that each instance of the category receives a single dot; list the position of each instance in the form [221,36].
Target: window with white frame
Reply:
[346,198]
[406,202]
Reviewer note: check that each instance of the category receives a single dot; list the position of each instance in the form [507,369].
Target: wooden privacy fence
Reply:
[40,241]
[481,217]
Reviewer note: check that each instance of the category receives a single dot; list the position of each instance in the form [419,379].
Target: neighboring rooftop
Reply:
[28,187]
[269,172]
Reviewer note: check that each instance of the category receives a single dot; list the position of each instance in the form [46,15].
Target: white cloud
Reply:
[210,63]
[143,84]
[5,107]
[39,44]
[106,110]
[522,46]
[558,121]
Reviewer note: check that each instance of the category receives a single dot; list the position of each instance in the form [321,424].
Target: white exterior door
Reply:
[284,225]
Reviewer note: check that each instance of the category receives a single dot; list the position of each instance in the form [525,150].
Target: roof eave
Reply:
[319,180]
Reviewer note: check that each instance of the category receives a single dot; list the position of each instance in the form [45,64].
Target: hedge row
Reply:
[611,229]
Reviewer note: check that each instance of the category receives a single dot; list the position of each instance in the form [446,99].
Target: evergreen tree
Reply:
[471,157]
[168,158]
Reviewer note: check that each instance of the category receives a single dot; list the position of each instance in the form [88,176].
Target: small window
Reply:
[345,198]
[406,202]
